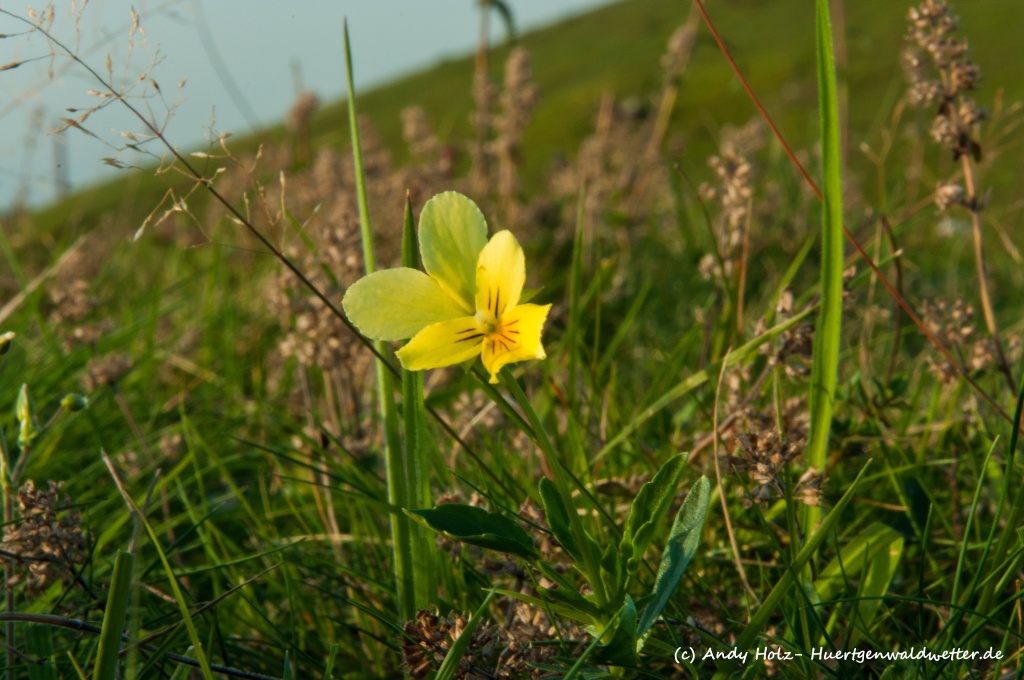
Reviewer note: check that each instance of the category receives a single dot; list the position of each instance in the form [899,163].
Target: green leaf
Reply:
[875,552]
[477,526]
[584,609]
[114,616]
[451,660]
[621,649]
[558,517]
[679,551]
[453,231]
[649,507]
[394,304]
[569,611]
[825,353]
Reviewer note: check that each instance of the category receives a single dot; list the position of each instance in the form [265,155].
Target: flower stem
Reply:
[416,474]
[591,558]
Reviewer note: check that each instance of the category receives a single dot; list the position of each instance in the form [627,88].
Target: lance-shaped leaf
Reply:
[477,526]
[649,507]
[558,517]
[680,549]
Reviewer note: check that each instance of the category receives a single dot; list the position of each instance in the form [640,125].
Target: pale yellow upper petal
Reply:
[500,275]
[452,233]
[394,304]
[517,339]
[443,344]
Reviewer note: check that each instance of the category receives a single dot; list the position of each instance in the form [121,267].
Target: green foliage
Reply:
[114,614]
[558,517]
[39,644]
[827,334]
[872,559]
[458,648]
[477,526]
[680,549]
[649,508]
[278,488]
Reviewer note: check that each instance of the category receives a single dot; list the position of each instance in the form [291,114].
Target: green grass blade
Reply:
[875,551]
[182,671]
[398,491]
[592,647]
[451,660]
[760,618]
[696,380]
[114,617]
[825,360]
[575,284]
[179,597]
[357,160]
[332,655]
[1017,508]
[39,645]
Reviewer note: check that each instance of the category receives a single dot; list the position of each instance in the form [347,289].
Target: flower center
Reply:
[488,324]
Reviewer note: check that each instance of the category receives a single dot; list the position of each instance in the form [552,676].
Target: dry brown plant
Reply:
[46,540]
[941,74]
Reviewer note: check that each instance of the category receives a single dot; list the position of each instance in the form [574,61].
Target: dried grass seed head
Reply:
[105,370]
[48,539]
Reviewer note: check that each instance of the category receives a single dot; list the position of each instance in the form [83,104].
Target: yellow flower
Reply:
[467,302]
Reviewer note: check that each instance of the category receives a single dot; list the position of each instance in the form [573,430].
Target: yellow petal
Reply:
[500,275]
[443,344]
[452,233]
[517,339]
[394,304]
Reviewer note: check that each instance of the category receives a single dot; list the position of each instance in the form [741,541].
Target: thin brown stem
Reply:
[721,489]
[8,491]
[8,572]
[979,262]
[897,322]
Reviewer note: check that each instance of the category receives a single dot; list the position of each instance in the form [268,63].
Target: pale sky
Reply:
[258,44]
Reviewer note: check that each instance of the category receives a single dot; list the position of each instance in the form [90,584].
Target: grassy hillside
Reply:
[616,49]
[268,464]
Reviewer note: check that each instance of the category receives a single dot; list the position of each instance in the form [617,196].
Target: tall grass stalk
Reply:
[398,491]
[825,358]
[1016,513]
[108,652]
